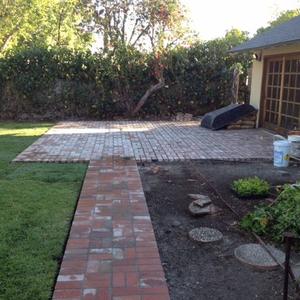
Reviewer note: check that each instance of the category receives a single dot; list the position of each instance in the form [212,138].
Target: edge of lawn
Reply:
[11,131]
[67,235]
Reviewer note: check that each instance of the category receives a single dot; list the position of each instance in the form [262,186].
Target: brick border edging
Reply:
[111,252]
[74,161]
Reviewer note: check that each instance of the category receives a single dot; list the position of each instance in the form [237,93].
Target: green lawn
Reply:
[37,203]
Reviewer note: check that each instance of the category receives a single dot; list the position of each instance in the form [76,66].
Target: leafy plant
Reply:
[60,83]
[251,187]
[274,220]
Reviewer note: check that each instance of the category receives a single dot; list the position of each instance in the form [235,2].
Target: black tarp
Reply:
[227,115]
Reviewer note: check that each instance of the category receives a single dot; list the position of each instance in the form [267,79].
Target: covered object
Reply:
[227,115]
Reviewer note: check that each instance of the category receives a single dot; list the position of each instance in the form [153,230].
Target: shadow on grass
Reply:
[23,125]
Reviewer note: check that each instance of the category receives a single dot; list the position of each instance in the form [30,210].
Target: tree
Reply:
[147,25]
[140,24]
[235,37]
[13,15]
[283,17]
[164,21]
[241,63]
[43,23]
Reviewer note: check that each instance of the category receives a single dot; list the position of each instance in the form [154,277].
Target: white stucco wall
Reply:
[258,67]
[256,83]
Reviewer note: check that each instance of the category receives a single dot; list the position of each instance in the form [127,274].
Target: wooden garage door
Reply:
[281,105]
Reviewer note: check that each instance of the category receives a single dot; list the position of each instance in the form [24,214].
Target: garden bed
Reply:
[196,271]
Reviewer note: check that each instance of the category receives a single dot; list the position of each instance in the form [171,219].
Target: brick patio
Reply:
[111,252]
[146,141]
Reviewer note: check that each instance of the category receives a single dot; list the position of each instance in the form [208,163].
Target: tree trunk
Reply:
[147,94]
[235,86]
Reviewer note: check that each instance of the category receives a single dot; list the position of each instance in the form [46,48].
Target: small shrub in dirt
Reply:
[274,220]
[251,187]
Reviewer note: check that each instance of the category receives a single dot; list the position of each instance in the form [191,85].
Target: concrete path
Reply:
[146,141]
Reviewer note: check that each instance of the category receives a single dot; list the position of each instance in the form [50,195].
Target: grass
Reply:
[37,203]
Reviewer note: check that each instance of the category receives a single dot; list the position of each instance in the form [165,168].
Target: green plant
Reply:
[274,220]
[60,83]
[251,187]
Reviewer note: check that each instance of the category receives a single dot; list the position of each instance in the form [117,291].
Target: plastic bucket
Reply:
[282,151]
[295,145]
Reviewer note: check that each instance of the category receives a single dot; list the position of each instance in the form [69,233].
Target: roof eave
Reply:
[253,49]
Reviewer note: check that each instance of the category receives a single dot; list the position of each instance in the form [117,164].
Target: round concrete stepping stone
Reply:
[256,256]
[205,235]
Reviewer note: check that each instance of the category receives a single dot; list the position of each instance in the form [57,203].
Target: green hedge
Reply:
[57,84]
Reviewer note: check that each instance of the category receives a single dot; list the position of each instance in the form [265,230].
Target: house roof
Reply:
[286,33]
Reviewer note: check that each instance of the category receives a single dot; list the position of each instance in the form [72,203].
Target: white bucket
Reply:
[282,150]
[295,145]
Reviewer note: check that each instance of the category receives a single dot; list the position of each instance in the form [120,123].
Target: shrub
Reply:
[251,187]
[60,83]
[274,220]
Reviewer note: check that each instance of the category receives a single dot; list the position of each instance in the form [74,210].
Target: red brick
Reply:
[139,291]
[132,279]
[132,297]
[67,285]
[148,261]
[77,243]
[66,294]
[119,280]
[150,267]
[156,297]
[100,279]
[131,268]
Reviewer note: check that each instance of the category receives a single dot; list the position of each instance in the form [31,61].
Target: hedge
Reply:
[61,84]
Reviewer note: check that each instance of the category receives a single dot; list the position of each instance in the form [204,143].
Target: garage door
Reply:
[281,100]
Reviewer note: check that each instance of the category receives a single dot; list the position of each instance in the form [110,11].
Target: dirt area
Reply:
[197,271]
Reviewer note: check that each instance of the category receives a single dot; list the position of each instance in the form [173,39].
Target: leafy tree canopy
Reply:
[283,17]
[235,37]
[142,24]
[43,23]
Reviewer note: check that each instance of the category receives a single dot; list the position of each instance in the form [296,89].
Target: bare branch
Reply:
[148,93]
[143,32]
[133,30]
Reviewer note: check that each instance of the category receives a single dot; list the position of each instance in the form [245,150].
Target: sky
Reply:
[211,18]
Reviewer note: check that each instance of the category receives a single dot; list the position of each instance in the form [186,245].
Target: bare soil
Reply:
[208,271]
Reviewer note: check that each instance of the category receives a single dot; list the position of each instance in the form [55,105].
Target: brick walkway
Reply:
[111,252]
[146,141]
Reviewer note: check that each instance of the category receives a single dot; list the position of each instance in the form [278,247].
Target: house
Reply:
[275,82]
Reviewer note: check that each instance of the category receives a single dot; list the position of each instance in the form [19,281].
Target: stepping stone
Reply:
[200,197]
[205,235]
[200,210]
[202,201]
[256,256]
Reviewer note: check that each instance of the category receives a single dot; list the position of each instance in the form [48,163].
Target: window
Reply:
[282,93]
